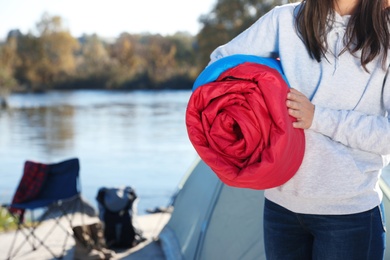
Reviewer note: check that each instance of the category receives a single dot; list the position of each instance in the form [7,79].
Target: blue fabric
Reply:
[288,235]
[212,72]
[61,183]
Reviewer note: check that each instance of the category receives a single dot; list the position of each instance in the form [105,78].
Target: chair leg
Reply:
[34,241]
[69,220]
[62,217]
[65,209]
[29,235]
[12,245]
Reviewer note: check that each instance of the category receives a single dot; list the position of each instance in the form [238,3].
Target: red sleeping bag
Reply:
[240,127]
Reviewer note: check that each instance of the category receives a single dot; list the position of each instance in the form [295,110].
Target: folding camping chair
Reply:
[53,191]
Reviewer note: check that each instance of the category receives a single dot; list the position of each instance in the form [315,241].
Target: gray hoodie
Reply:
[348,143]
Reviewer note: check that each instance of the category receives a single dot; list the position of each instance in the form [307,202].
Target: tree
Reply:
[154,61]
[8,61]
[49,57]
[185,54]
[130,64]
[226,20]
[95,67]
[30,52]
[94,54]
[123,50]
[58,50]
[159,54]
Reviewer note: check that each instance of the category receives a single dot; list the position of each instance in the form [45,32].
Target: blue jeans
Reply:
[288,235]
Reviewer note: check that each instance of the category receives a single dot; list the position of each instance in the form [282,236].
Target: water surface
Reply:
[135,139]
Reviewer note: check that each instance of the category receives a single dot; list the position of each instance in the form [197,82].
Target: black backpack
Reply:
[115,211]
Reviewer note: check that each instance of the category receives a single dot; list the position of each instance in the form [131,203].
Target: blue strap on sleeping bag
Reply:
[212,72]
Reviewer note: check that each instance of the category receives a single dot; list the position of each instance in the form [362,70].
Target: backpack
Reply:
[116,211]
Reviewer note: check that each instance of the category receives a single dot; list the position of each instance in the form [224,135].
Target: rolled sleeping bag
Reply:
[238,123]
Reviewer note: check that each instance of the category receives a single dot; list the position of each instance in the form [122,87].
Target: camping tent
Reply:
[214,221]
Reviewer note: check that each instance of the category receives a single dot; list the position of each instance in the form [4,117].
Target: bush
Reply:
[7,222]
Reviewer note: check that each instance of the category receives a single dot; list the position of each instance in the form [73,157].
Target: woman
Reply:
[335,56]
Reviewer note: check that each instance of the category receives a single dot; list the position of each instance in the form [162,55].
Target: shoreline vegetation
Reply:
[50,58]
[7,222]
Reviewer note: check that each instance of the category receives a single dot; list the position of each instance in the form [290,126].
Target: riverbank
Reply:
[150,225]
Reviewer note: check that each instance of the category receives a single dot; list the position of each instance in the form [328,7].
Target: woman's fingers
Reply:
[300,107]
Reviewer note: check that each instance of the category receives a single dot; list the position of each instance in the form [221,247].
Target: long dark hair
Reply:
[368,28]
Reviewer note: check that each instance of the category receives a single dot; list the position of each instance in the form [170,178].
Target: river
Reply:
[134,138]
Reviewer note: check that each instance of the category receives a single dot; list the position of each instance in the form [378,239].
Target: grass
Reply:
[7,222]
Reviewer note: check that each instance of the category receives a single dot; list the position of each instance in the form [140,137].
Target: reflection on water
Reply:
[121,138]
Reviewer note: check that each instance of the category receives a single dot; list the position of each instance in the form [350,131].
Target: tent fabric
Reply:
[240,127]
[214,221]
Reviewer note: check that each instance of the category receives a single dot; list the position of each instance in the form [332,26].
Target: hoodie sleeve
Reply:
[369,133]
[259,39]
[366,132]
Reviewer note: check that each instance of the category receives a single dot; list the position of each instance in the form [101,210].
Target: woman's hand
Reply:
[300,107]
